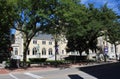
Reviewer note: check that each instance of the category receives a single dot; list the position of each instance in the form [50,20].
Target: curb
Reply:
[94,64]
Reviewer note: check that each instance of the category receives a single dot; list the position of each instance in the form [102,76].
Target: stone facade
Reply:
[41,46]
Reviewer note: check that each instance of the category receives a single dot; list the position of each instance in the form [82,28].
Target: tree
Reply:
[85,32]
[61,19]
[39,15]
[6,22]
[75,31]
[83,36]
[109,17]
[114,35]
[32,17]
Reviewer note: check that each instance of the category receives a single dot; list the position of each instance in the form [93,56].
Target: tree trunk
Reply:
[24,58]
[87,52]
[26,45]
[25,55]
[80,53]
[56,49]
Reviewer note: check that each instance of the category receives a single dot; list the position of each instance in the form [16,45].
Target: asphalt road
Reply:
[107,71]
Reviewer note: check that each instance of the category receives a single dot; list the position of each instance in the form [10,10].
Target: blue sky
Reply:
[98,3]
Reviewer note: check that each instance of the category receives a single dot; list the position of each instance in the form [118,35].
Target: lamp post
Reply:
[56,45]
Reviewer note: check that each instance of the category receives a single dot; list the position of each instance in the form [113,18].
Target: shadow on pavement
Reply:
[74,76]
[106,71]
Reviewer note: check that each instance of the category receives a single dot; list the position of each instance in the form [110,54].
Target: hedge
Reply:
[37,60]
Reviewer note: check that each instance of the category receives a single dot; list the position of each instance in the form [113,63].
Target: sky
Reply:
[98,3]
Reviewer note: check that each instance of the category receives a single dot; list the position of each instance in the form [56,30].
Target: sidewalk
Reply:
[20,70]
[49,68]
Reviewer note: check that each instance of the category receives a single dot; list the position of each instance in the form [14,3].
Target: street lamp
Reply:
[56,45]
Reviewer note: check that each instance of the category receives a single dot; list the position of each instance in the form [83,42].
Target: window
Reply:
[50,51]
[34,41]
[16,51]
[43,51]
[28,52]
[43,42]
[50,43]
[62,51]
[34,51]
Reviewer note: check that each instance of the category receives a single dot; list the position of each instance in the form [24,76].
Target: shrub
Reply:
[37,60]
[76,58]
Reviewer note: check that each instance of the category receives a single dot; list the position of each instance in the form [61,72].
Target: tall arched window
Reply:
[50,51]
[34,51]
[43,51]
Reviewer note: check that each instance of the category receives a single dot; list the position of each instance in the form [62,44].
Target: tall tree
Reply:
[33,16]
[62,14]
[114,35]
[75,31]
[6,22]
[40,15]
[84,36]
[85,32]
[108,18]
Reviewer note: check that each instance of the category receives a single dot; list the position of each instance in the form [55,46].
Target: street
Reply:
[106,71]
[109,71]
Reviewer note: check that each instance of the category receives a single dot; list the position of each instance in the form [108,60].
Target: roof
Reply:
[43,37]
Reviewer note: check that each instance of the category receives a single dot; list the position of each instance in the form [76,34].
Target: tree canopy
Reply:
[6,22]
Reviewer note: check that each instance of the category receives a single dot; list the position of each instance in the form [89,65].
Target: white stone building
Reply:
[41,46]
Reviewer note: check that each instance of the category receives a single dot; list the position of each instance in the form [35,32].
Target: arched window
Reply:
[34,51]
[43,51]
[50,51]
